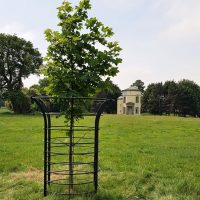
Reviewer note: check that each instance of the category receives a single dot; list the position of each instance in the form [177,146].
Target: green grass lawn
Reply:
[143,157]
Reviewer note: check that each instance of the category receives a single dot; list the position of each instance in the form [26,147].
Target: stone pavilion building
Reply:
[130,101]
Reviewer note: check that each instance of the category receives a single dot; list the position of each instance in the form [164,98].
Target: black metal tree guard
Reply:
[70,151]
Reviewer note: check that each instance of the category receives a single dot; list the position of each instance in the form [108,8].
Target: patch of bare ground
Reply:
[33,174]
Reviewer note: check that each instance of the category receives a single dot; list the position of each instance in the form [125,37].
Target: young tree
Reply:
[18,59]
[78,57]
[81,53]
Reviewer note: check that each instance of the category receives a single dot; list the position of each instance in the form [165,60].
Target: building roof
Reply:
[131,88]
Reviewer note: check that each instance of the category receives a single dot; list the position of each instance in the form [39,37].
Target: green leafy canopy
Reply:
[18,60]
[81,53]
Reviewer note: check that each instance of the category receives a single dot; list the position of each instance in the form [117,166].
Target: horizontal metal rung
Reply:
[56,182]
[65,179]
[54,138]
[69,174]
[61,154]
[73,126]
[67,170]
[61,129]
[73,163]
[60,146]
[68,194]
[67,143]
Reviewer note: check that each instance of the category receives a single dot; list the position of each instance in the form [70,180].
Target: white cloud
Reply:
[130,73]
[31,80]
[188,28]
[19,29]
[119,5]
[35,36]
[183,17]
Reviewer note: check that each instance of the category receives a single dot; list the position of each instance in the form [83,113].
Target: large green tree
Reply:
[170,92]
[182,98]
[140,85]
[188,98]
[81,53]
[152,100]
[40,88]
[110,91]
[18,59]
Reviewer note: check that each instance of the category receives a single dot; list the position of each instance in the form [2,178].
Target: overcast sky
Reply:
[160,38]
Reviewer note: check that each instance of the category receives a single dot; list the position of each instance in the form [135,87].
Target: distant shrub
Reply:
[20,102]
[8,105]
[2,103]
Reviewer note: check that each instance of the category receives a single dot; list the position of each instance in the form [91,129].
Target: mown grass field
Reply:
[143,157]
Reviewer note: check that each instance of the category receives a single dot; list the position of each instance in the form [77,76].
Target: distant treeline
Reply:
[179,98]
[23,104]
